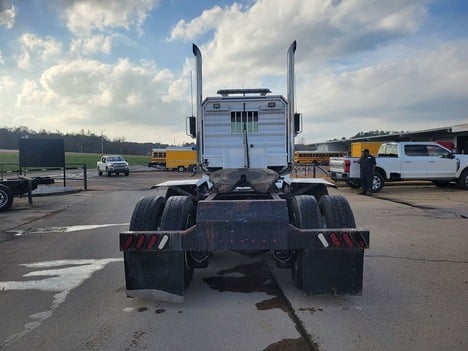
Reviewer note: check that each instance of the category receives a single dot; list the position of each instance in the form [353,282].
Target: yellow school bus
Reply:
[158,158]
[181,159]
[308,158]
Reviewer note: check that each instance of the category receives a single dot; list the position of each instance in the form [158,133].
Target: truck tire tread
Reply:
[147,213]
[336,212]
[178,214]
[304,213]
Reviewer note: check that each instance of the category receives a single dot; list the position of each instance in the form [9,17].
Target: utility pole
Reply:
[102,141]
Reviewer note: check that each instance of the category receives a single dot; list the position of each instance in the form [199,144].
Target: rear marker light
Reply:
[347,165]
[128,242]
[140,241]
[163,242]
[335,240]
[152,241]
[323,240]
[348,240]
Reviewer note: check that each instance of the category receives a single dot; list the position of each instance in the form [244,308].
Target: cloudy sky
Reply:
[124,67]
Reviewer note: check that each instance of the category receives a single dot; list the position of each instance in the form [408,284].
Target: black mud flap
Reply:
[155,275]
[333,271]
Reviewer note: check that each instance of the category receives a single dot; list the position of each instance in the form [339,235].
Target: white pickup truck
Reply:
[406,161]
[112,164]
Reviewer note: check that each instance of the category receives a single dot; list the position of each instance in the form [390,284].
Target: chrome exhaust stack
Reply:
[199,99]
[291,97]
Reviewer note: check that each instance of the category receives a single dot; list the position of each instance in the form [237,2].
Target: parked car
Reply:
[112,164]
[406,161]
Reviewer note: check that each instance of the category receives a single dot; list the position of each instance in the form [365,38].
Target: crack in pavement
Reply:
[416,259]
[430,209]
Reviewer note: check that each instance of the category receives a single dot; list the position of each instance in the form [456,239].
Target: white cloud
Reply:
[7,15]
[91,45]
[23,60]
[6,84]
[123,98]
[250,43]
[30,94]
[34,48]
[85,16]
[209,20]
[429,85]
[360,64]
[45,48]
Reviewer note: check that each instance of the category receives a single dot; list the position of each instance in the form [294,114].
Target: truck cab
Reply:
[245,128]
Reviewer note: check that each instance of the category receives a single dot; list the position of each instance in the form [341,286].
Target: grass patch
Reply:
[9,160]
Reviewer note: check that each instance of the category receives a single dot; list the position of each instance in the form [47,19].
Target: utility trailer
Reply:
[245,201]
[9,188]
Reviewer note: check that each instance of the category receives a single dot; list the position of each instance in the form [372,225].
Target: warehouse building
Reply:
[456,136]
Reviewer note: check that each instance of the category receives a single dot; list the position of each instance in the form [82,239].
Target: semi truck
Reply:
[244,201]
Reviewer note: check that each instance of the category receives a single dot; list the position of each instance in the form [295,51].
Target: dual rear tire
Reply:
[155,213]
[332,211]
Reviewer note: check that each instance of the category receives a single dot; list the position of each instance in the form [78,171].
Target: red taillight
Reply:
[152,241]
[140,241]
[335,240]
[128,242]
[347,165]
[347,240]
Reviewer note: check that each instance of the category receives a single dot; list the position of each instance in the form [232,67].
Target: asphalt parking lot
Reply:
[415,272]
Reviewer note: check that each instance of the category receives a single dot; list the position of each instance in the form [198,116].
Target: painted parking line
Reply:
[68,229]
[61,277]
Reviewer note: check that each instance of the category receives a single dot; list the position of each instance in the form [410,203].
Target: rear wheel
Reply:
[6,197]
[304,213]
[179,214]
[181,169]
[378,182]
[319,191]
[336,212]
[463,180]
[339,268]
[147,213]
[99,172]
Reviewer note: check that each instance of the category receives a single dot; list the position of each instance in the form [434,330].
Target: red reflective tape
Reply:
[348,240]
[152,241]
[335,240]
[128,242]
[358,238]
[140,241]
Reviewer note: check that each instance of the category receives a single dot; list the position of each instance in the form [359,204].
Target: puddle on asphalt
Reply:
[289,345]
[253,277]
[256,277]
